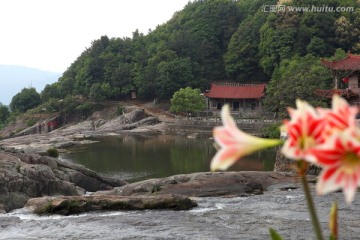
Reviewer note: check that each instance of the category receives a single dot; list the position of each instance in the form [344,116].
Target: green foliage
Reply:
[52,152]
[97,93]
[27,99]
[156,188]
[339,54]
[53,105]
[50,92]
[48,208]
[272,131]
[274,235]
[4,114]
[69,105]
[31,122]
[85,109]
[119,110]
[317,47]
[18,166]
[209,40]
[242,56]
[187,100]
[347,31]
[296,78]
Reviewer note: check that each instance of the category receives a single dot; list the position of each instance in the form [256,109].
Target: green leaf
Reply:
[274,235]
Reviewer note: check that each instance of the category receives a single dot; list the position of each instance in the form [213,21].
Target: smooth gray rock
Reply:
[205,184]
[78,204]
[24,176]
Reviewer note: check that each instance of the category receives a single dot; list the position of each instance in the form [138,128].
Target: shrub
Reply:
[119,110]
[52,152]
[30,122]
[272,131]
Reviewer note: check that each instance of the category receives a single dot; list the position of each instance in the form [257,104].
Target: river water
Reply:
[215,218]
[133,157]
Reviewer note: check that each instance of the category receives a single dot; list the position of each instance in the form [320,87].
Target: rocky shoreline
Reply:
[244,201]
[45,185]
[133,122]
[26,176]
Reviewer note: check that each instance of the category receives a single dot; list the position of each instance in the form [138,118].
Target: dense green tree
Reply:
[4,114]
[100,91]
[66,82]
[348,32]
[317,47]
[339,54]
[27,99]
[202,32]
[176,74]
[296,78]
[187,100]
[50,91]
[277,40]
[207,41]
[242,56]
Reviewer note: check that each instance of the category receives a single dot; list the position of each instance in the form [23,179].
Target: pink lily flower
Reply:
[305,131]
[340,158]
[235,143]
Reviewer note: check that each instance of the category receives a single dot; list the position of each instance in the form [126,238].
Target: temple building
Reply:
[348,71]
[242,98]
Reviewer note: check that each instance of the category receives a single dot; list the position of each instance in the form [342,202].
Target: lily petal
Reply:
[224,158]
[340,158]
[235,143]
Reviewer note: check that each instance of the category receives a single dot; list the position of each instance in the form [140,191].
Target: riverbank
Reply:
[282,207]
[136,121]
[25,176]
[231,205]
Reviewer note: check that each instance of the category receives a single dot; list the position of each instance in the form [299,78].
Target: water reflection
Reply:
[133,158]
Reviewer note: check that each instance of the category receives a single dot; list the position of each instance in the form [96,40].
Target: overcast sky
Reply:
[50,34]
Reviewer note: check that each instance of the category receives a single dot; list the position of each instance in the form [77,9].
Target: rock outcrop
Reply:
[129,121]
[78,134]
[205,184]
[24,176]
[284,164]
[78,204]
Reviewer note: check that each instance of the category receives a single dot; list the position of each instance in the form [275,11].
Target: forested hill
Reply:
[212,40]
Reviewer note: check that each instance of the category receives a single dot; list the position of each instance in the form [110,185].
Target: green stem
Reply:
[310,203]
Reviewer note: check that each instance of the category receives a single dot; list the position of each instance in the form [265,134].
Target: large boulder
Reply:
[128,121]
[135,116]
[79,204]
[24,176]
[205,184]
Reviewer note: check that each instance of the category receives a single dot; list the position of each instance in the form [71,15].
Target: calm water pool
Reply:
[133,158]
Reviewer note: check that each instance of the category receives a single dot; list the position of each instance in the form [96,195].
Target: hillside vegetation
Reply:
[218,40]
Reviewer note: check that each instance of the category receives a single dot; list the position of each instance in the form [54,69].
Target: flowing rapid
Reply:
[282,207]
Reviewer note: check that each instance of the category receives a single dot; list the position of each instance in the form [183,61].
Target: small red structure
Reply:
[241,97]
[348,71]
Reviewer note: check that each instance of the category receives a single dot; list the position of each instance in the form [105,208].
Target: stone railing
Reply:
[214,121]
[206,124]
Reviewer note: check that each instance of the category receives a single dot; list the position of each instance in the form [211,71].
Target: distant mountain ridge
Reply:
[14,78]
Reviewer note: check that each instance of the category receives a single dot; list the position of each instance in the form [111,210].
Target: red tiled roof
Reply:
[254,91]
[351,62]
[329,93]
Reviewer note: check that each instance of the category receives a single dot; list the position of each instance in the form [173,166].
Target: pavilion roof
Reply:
[350,62]
[244,91]
[346,93]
